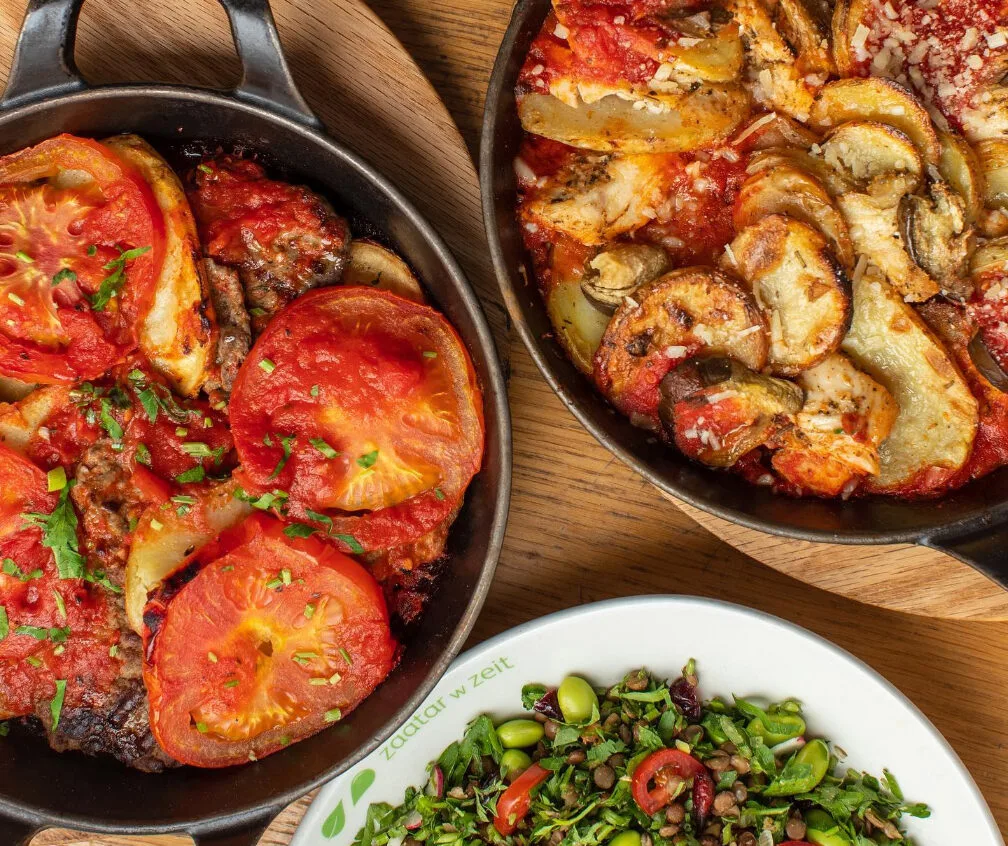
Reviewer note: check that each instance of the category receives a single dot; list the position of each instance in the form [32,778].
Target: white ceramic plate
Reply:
[738,650]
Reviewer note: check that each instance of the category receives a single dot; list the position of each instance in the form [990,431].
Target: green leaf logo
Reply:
[334,823]
[362,781]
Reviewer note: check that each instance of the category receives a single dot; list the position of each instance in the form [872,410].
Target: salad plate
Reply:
[737,651]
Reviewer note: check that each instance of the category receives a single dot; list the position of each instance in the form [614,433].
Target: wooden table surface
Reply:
[585,528]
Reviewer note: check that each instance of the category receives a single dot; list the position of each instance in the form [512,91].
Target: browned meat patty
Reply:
[282,239]
[235,336]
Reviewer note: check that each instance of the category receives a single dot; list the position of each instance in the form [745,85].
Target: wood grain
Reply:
[583,527]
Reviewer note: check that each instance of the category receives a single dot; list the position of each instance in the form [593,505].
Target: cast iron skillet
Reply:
[45,96]
[971,524]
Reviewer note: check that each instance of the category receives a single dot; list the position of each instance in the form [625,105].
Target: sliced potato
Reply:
[179,333]
[375,266]
[800,284]
[836,437]
[881,101]
[662,123]
[596,198]
[876,158]
[960,167]
[765,45]
[834,181]
[12,390]
[993,156]
[937,418]
[782,87]
[716,409]
[713,57]
[21,420]
[990,258]
[578,324]
[875,231]
[157,552]
[808,41]
[678,315]
[847,15]
[988,116]
[785,189]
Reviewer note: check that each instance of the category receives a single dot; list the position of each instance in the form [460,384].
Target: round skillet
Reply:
[45,96]
[971,524]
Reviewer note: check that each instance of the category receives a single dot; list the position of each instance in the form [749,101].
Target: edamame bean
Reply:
[578,702]
[781,727]
[814,755]
[626,838]
[514,761]
[821,828]
[519,734]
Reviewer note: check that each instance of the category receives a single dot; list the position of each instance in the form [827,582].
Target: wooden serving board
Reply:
[583,527]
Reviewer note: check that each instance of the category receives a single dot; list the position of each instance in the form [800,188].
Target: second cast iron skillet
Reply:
[45,96]
[971,524]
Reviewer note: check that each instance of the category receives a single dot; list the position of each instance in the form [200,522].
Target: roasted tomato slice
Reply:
[364,407]
[81,247]
[55,633]
[260,640]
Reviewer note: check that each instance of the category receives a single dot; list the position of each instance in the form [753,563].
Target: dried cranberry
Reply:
[549,705]
[703,797]
[686,698]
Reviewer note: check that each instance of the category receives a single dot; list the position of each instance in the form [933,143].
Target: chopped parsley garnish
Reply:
[314,390]
[333,715]
[14,298]
[429,354]
[34,661]
[256,311]
[285,445]
[112,284]
[368,459]
[60,604]
[92,250]
[197,449]
[267,366]
[113,650]
[56,479]
[142,454]
[11,568]
[155,397]
[4,623]
[324,519]
[211,657]
[64,275]
[196,474]
[21,254]
[322,446]
[99,577]
[232,683]
[351,542]
[156,525]
[201,728]
[181,431]
[42,633]
[109,423]
[274,499]
[439,494]
[300,530]
[204,168]
[309,611]
[56,706]
[346,656]
[59,533]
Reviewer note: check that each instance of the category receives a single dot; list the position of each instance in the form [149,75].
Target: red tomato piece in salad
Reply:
[81,248]
[364,408]
[56,629]
[260,640]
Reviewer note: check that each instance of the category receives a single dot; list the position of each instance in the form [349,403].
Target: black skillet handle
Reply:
[44,67]
[242,833]
[985,549]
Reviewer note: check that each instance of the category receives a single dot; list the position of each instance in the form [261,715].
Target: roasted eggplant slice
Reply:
[596,198]
[877,159]
[659,123]
[993,155]
[788,190]
[989,306]
[937,420]
[774,130]
[802,287]
[618,272]
[879,100]
[875,231]
[716,409]
[673,318]
[938,237]
[836,437]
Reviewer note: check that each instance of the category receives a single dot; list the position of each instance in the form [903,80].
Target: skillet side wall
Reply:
[864,521]
[39,785]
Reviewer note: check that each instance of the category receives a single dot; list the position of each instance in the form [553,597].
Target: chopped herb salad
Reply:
[644,763]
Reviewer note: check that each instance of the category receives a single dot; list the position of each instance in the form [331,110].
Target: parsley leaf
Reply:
[59,533]
[322,446]
[10,568]
[56,706]
[299,530]
[112,284]
[368,459]
[285,445]
[351,542]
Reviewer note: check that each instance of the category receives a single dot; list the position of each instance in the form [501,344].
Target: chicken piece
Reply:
[282,239]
